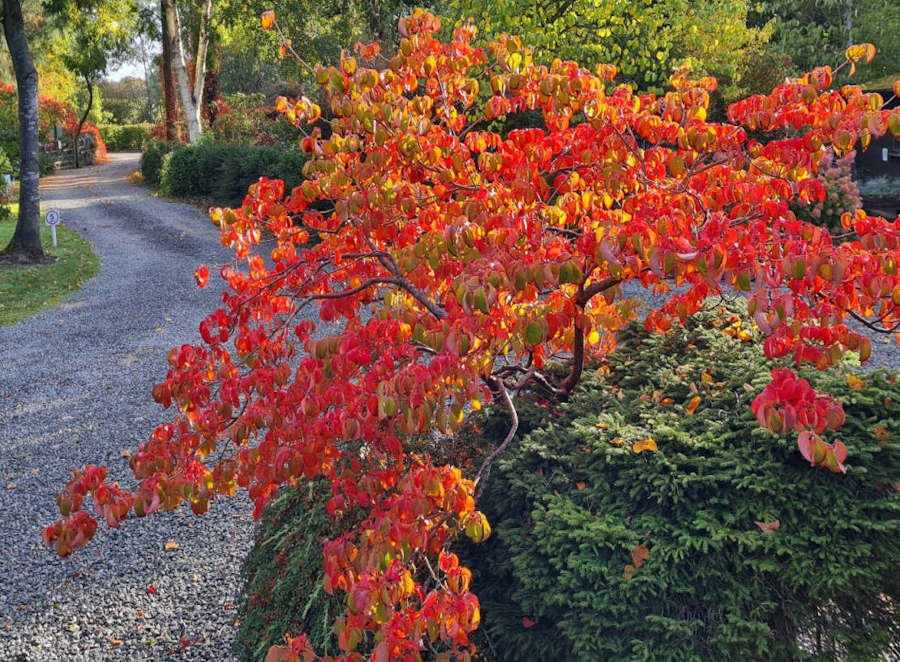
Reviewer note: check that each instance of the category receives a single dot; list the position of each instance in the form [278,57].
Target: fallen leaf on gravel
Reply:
[171,546]
[126,454]
[115,642]
[11,486]
[151,589]
[159,329]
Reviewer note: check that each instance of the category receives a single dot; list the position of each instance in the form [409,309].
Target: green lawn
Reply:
[26,291]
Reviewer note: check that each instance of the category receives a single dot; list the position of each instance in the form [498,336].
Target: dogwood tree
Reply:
[455,262]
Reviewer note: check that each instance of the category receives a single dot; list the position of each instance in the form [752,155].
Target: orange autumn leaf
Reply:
[281,654]
[881,432]
[629,572]
[639,554]
[580,485]
[644,445]
[768,528]
[692,405]
[855,382]
[267,20]
[617,441]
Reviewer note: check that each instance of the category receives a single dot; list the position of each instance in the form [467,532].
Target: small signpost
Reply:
[51,219]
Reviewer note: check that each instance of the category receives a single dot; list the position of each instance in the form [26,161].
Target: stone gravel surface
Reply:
[75,389]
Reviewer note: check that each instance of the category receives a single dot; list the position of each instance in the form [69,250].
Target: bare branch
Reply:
[485,470]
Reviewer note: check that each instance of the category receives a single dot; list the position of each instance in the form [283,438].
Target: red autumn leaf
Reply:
[527,622]
[201,275]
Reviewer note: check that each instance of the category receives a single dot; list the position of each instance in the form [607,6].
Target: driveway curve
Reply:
[75,387]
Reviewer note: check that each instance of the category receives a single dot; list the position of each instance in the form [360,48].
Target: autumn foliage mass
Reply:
[456,261]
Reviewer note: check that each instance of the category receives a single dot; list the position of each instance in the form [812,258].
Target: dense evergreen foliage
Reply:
[222,173]
[752,553]
[125,137]
[283,575]
[572,500]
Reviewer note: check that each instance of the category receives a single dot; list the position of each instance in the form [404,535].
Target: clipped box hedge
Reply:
[222,173]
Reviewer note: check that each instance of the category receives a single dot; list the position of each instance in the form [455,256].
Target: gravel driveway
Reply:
[75,389]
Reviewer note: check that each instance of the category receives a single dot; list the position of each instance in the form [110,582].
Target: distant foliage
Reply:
[126,137]
[222,173]
[247,119]
[50,113]
[841,193]
[719,544]
[645,39]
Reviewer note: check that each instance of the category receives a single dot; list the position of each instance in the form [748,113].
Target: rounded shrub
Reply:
[126,137]
[152,161]
[716,541]
[180,174]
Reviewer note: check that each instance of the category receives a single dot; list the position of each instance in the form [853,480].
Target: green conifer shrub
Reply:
[283,576]
[568,503]
[753,554]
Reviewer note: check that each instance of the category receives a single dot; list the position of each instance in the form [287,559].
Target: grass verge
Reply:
[28,290]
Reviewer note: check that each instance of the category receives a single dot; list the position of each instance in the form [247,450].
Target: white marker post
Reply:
[51,219]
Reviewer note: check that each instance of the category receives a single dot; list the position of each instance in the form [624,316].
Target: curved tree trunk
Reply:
[90,104]
[26,241]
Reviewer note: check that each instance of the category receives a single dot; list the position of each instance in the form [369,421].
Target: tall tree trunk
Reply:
[90,104]
[167,15]
[192,99]
[26,241]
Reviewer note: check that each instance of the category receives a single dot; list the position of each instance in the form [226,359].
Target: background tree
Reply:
[26,241]
[99,33]
[645,39]
[190,80]
[815,31]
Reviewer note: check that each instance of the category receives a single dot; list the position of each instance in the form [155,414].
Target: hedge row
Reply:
[752,553]
[216,172]
[126,137]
